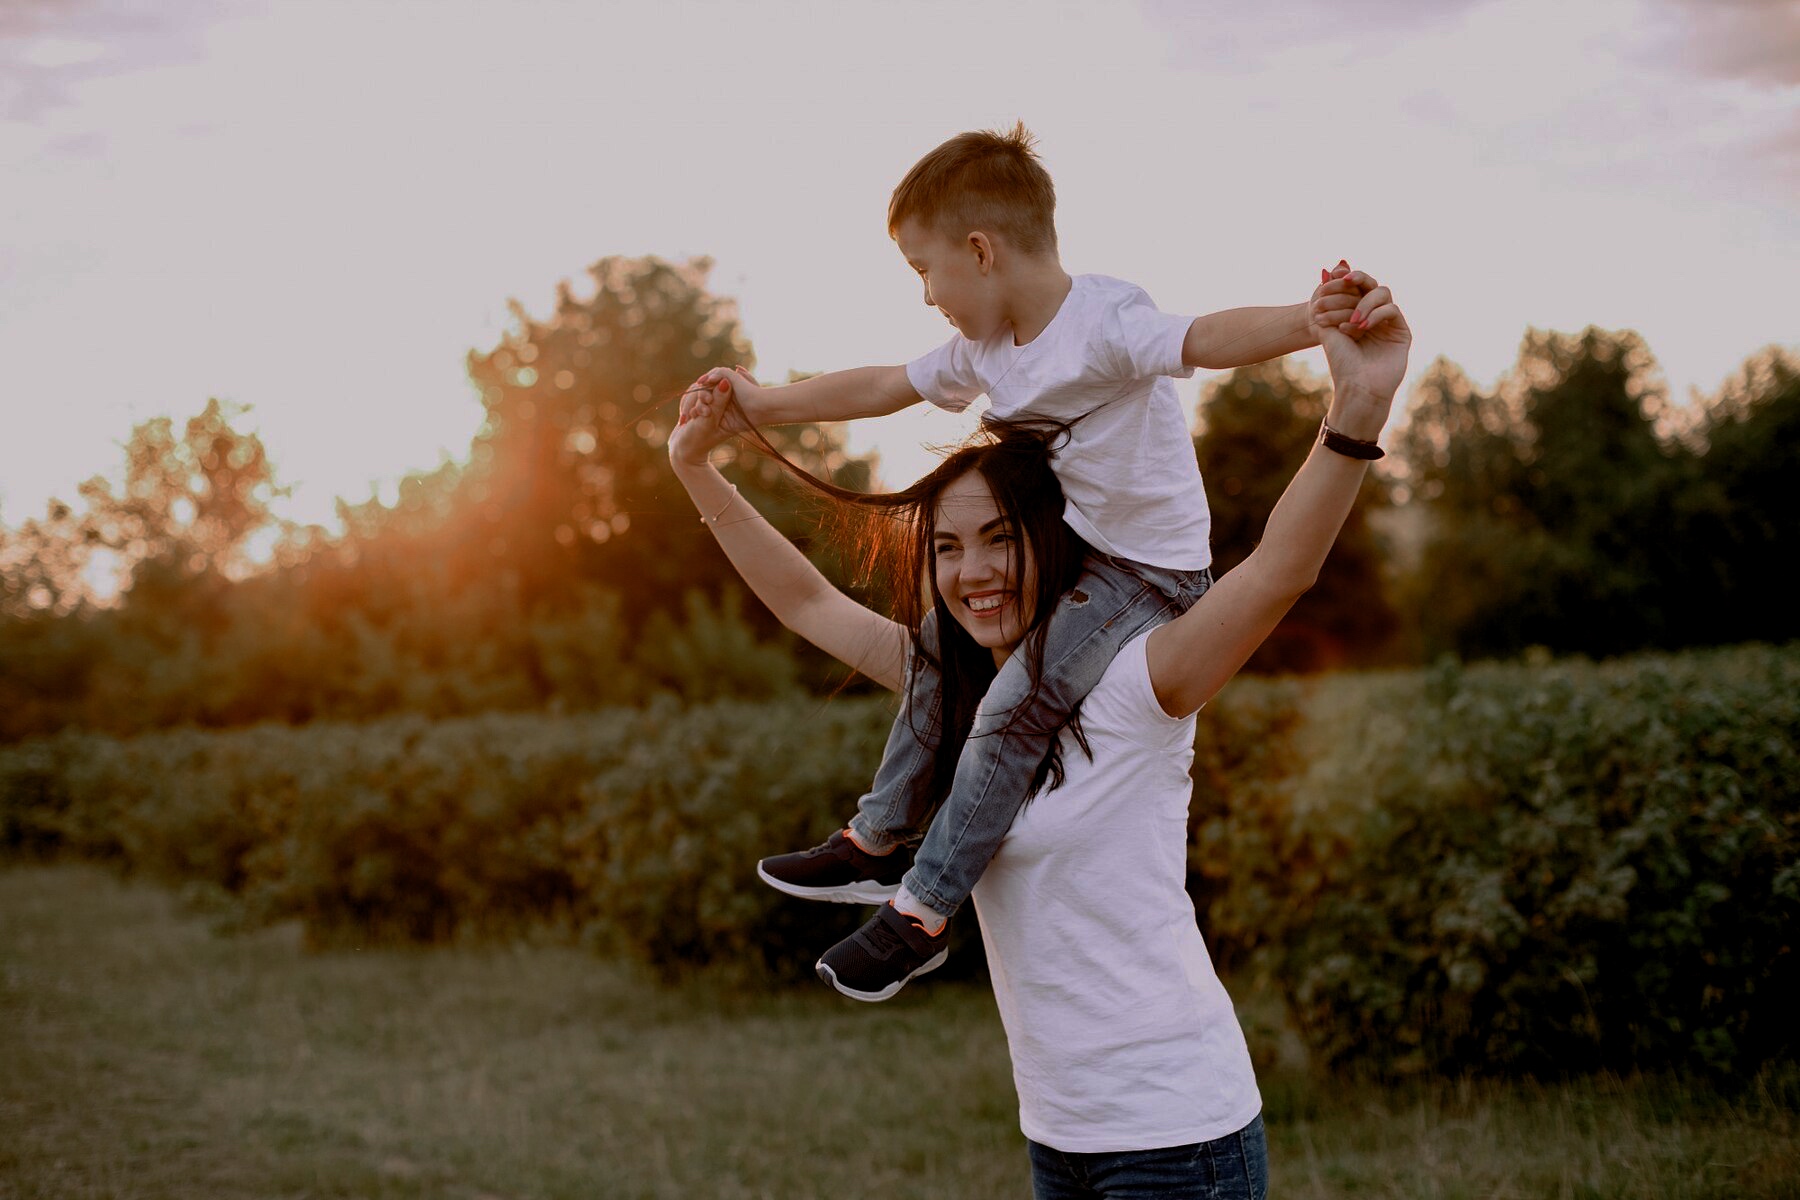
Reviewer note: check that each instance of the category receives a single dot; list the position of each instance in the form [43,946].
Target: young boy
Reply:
[975,219]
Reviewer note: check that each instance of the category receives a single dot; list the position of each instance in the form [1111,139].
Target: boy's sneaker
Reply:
[876,961]
[839,870]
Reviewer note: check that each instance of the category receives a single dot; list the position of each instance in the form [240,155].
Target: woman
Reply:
[1132,1073]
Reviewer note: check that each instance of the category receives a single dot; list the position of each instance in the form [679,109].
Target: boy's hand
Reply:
[702,423]
[1342,301]
[736,382]
[1326,279]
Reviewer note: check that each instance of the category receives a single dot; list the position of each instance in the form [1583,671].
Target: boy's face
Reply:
[958,276]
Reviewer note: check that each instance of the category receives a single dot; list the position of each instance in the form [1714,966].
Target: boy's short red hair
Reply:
[986,180]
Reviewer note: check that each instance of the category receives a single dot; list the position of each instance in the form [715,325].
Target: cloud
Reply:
[1745,54]
[49,48]
[1233,36]
[1757,41]
[1778,151]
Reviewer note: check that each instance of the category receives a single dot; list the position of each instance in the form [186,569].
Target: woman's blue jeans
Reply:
[1112,602]
[1234,1167]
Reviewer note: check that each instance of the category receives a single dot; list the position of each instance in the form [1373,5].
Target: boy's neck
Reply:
[1034,296]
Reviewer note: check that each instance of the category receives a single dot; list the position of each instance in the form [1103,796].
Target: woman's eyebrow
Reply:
[996,522]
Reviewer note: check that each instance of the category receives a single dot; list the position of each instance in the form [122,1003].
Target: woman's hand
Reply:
[702,425]
[1366,349]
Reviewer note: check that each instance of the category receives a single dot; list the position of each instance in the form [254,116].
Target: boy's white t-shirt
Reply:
[1129,476]
[1122,1036]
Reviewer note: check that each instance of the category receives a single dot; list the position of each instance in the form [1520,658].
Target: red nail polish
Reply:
[1324,275]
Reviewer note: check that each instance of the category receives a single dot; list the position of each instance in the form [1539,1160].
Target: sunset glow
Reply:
[317,209]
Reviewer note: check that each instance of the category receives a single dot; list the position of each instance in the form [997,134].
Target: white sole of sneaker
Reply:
[854,893]
[830,976]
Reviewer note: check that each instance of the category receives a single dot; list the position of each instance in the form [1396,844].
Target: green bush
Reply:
[1547,868]
[635,830]
[1500,868]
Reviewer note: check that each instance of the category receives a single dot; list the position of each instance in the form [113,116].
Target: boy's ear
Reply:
[983,248]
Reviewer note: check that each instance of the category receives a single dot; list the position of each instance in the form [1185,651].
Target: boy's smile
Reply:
[957,277]
[967,282]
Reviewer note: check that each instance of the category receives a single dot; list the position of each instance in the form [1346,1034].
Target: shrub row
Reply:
[633,830]
[1561,866]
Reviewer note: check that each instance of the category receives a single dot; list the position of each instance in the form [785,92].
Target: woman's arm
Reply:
[1193,656]
[794,590]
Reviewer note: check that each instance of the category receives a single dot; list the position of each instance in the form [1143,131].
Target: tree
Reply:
[187,505]
[1733,517]
[1541,500]
[43,563]
[1259,423]
[1462,460]
[47,652]
[527,575]
[172,533]
[568,481]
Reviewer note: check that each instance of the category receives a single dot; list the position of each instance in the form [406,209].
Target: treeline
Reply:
[1503,868]
[560,566]
[1571,507]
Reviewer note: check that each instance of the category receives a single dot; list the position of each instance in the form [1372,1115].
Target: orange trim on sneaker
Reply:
[916,919]
[850,836]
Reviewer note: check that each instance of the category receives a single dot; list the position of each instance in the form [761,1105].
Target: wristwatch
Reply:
[1349,447]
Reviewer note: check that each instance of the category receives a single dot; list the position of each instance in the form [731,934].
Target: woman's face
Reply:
[973,548]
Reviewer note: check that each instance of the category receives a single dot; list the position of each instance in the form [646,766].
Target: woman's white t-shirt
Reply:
[1106,361]
[1122,1036]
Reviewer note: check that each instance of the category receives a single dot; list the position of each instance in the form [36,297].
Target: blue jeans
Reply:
[1112,602]
[1234,1167]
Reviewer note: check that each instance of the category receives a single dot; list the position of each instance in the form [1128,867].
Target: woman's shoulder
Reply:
[1125,698]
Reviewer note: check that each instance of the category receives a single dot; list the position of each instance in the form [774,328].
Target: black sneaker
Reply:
[876,961]
[839,870]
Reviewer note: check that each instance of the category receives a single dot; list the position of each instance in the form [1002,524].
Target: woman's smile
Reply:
[976,549]
[985,605]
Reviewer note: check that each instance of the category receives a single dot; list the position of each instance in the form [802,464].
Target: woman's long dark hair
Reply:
[1013,457]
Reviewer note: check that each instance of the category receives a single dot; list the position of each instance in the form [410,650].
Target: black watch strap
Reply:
[1348,446]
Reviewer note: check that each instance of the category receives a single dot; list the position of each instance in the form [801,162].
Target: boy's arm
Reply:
[1239,337]
[834,396]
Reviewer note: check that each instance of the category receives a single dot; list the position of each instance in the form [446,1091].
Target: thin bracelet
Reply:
[714,519]
[1348,446]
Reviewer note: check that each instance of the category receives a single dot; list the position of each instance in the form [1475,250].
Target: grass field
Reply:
[142,1055]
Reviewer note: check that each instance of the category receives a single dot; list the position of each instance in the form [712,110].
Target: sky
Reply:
[316,208]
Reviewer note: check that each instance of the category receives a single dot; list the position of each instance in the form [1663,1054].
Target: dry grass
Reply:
[146,1057]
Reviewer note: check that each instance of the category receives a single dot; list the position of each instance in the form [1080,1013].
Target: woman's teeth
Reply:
[986,603]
